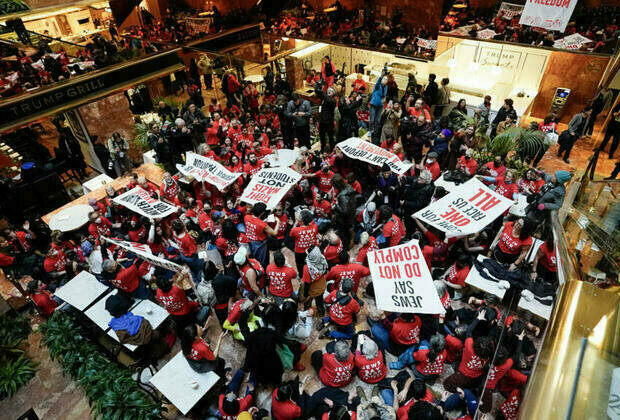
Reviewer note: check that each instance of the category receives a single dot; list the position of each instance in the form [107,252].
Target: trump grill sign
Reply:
[553,15]
[402,281]
[466,210]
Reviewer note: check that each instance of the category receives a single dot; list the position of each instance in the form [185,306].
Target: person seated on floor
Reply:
[342,311]
[197,350]
[334,364]
[44,300]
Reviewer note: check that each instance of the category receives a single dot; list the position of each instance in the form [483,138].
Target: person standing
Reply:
[576,128]
[326,117]
[328,70]
[504,111]
[443,97]
[69,144]
[613,130]
[299,111]
[376,100]
[600,103]
[118,148]
[431,91]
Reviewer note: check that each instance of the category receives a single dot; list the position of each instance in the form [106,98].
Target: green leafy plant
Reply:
[529,143]
[111,392]
[14,328]
[501,144]
[15,372]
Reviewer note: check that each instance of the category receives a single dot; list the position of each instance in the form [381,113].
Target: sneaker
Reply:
[299,367]
[375,392]
[361,393]
[566,161]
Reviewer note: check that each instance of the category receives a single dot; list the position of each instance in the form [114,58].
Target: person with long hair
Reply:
[197,350]
[512,243]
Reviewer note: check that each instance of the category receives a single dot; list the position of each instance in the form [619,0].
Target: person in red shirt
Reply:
[41,298]
[511,243]
[393,227]
[495,168]
[147,186]
[99,225]
[305,235]
[429,362]
[257,230]
[325,177]
[504,185]
[416,392]
[467,163]
[354,183]
[344,307]
[545,263]
[457,273]
[127,280]
[321,205]
[347,270]
[334,369]
[502,363]
[197,350]
[189,250]
[280,277]
[169,189]
[404,332]
[359,84]
[418,109]
[369,360]
[252,166]
[229,404]
[251,272]
[136,230]
[368,243]
[173,298]
[333,248]
[55,263]
[282,405]
[476,355]
[431,165]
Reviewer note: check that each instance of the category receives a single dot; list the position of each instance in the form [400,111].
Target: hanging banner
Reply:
[357,148]
[553,15]
[204,169]
[467,209]
[139,201]
[198,25]
[430,44]
[144,252]
[269,186]
[571,42]
[510,10]
[402,281]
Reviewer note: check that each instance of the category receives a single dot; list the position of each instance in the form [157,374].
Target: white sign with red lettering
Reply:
[465,210]
[402,280]
[204,169]
[552,15]
[144,252]
[357,148]
[430,44]
[269,186]
[141,202]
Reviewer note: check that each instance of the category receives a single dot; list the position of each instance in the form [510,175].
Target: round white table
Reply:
[254,78]
[284,158]
[71,218]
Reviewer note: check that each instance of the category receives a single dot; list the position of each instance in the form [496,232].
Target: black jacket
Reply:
[502,114]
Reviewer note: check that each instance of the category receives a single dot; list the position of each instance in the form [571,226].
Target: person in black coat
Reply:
[505,111]
[348,116]
[326,116]
[73,153]
[417,194]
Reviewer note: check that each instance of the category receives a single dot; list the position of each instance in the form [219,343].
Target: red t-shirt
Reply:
[347,271]
[510,407]
[403,412]
[404,332]
[362,255]
[394,229]
[244,404]
[254,228]
[496,171]
[471,166]
[175,301]
[511,245]
[260,278]
[169,192]
[512,380]
[471,365]
[201,350]
[352,414]
[55,264]
[284,410]
[250,169]
[507,190]
[341,314]
[434,169]
[497,372]
[305,237]
[325,180]
[454,347]
[331,252]
[24,239]
[415,113]
[127,279]
[370,371]
[280,280]
[336,373]
[187,244]
[44,302]
[457,275]
[425,366]
[103,228]
[548,258]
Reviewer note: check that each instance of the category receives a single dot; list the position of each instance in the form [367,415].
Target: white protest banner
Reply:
[144,252]
[552,15]
[198,25]
[357,148]
[269,186]
[571,42]
[486,34]
[510,10]
[402,280]
[205,169]
[465,210]
[430,44]
[139,201]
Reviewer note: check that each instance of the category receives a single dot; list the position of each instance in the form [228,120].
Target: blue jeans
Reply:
[343,332]
[142,292]
[455,402]
[375,116]
[381,335]
[195,265]
[235,383]
[258,251]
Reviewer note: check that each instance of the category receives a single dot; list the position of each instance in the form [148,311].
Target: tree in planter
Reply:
[16,369]
[110,390]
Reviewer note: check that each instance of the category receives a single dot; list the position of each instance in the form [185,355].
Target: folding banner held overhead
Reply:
[466,210]
[269,186]
[204,169]
[402,281]
[139,201]
[552,15]
[357,148]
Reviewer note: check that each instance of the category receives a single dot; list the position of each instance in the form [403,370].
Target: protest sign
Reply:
[402,280]
[465,210]
[552,15]
[510,10]
[205,169]
[269,186]
[485,34]
[139,201]
[144,252]
[430,44]
[571,42]
[357,148]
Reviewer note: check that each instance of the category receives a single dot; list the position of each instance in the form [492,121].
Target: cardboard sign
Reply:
[402,280]
[510,10]
[553,15]
[465,210]
[571,42]
[145,254]
[430,44]
[269,186]
[357,148]
[204,169]
[139,201]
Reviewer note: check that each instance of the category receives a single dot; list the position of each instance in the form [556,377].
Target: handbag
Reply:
[286,356]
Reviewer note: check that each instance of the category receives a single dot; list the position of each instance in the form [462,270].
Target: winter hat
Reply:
[447,133]
[240,256]
[562,176]
[385,168]
[87,248]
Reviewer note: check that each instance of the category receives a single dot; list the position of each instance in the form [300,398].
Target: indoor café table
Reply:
[182,385]
[81,291]
[474,279]
[71,218]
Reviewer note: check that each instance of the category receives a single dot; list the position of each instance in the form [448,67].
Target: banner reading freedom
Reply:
[144,252]
[465,210]
[142,203]
[204,169]
[357,148]
[553,15]
[402,281]
[269,186]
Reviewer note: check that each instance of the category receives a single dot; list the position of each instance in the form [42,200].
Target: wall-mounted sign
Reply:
[509,60]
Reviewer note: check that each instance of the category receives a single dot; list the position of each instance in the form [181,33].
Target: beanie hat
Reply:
[562,176]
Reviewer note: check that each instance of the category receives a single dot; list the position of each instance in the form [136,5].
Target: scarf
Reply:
[129,322]
[316,262]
